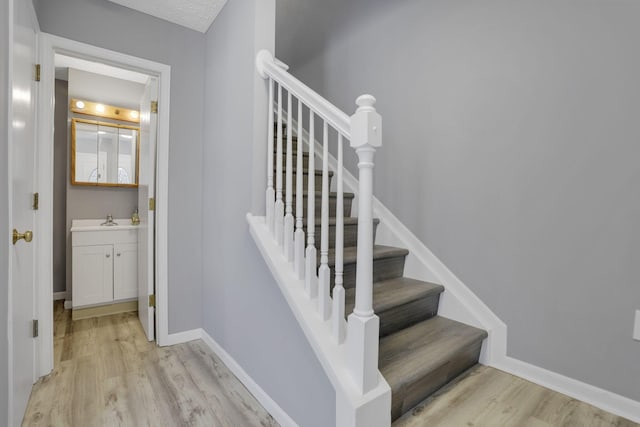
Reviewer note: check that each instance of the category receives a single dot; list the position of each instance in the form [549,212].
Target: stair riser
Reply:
[350,235]
[383,269]
[305,181]
[318,206]
[400,317]
[419,390]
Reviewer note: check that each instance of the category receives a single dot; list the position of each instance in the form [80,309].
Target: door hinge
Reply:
[152,301]
[36,201]
[35,328]
[37,73]
[152,204]
[154,107]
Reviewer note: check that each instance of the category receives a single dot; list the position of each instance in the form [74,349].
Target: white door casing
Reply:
[22,115]
[146,191]
[49,45]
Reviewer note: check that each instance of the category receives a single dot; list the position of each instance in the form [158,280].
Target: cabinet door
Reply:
[125,271]
[92,274]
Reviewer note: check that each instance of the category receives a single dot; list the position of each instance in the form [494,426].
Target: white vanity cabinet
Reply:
[104,263]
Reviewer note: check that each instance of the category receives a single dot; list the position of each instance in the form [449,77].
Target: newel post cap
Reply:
[366,123]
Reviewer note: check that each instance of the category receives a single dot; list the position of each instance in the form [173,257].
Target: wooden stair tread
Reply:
[348,220]
[351,253]
[305,171]
[414,352]
[391,293]
[332,195]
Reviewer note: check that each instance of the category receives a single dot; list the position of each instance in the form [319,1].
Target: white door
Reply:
[146,191]
[21,188]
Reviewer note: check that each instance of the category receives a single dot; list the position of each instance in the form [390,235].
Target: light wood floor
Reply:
[487,397]
[107,374]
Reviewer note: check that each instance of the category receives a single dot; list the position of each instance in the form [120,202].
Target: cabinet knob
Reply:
[118,254]
[108,255]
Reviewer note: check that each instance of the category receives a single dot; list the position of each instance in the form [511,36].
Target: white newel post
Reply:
[363,324]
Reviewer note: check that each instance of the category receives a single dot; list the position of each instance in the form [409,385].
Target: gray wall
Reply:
[243,308]
[105,24]
[60,139]
[105,89]
[96,202]
[4,209]
[512,130]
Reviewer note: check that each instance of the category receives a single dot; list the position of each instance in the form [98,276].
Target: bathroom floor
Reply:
[107,374]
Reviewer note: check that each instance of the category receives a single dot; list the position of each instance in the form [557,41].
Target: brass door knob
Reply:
[27,236]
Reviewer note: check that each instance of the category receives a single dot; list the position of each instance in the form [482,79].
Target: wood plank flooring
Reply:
[487,397]
[107,374]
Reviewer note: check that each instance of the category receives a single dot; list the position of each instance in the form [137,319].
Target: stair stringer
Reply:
[352,408]
[458,302]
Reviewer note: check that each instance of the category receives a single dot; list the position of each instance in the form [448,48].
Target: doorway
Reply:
[150,195]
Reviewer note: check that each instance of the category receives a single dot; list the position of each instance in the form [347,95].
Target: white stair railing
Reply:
[355,341]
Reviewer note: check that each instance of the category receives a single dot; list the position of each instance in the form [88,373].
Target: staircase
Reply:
[420,351]
[376,333]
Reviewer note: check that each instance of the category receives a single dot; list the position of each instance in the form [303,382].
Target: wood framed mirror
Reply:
[104,154]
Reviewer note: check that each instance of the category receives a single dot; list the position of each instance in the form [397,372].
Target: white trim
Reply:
[185,336]
[600,398]
[57,296]
[9,173]
[351,405]
[261,396]
[49,46]
[458,302]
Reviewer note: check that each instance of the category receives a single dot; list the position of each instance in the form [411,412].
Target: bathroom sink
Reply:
[96,225]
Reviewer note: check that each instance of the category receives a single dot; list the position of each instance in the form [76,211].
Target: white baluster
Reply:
[338,290]
[299,234]
[279,206]
[311,279]
[324,272]
[270,195]
[288,217]
[363,324]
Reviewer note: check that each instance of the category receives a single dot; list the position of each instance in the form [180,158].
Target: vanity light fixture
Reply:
[97,109]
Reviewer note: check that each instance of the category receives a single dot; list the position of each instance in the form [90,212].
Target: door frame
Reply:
[49,45]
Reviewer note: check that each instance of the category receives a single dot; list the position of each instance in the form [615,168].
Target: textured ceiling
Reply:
[195,14]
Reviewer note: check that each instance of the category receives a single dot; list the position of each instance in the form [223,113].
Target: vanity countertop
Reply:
[94,225]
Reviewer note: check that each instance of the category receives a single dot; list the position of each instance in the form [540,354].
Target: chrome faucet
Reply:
[109,221]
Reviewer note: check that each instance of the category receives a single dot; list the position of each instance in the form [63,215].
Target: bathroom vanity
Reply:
[104,265]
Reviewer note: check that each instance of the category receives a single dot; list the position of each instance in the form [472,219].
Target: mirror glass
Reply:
[104,154]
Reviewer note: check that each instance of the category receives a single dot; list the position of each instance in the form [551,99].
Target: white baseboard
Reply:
[603,399]
[182,337]
[261,396]
[57,296]
[68,304]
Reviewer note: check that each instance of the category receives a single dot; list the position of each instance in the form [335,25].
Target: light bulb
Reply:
[80,104]
[134,114]
[100,108]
